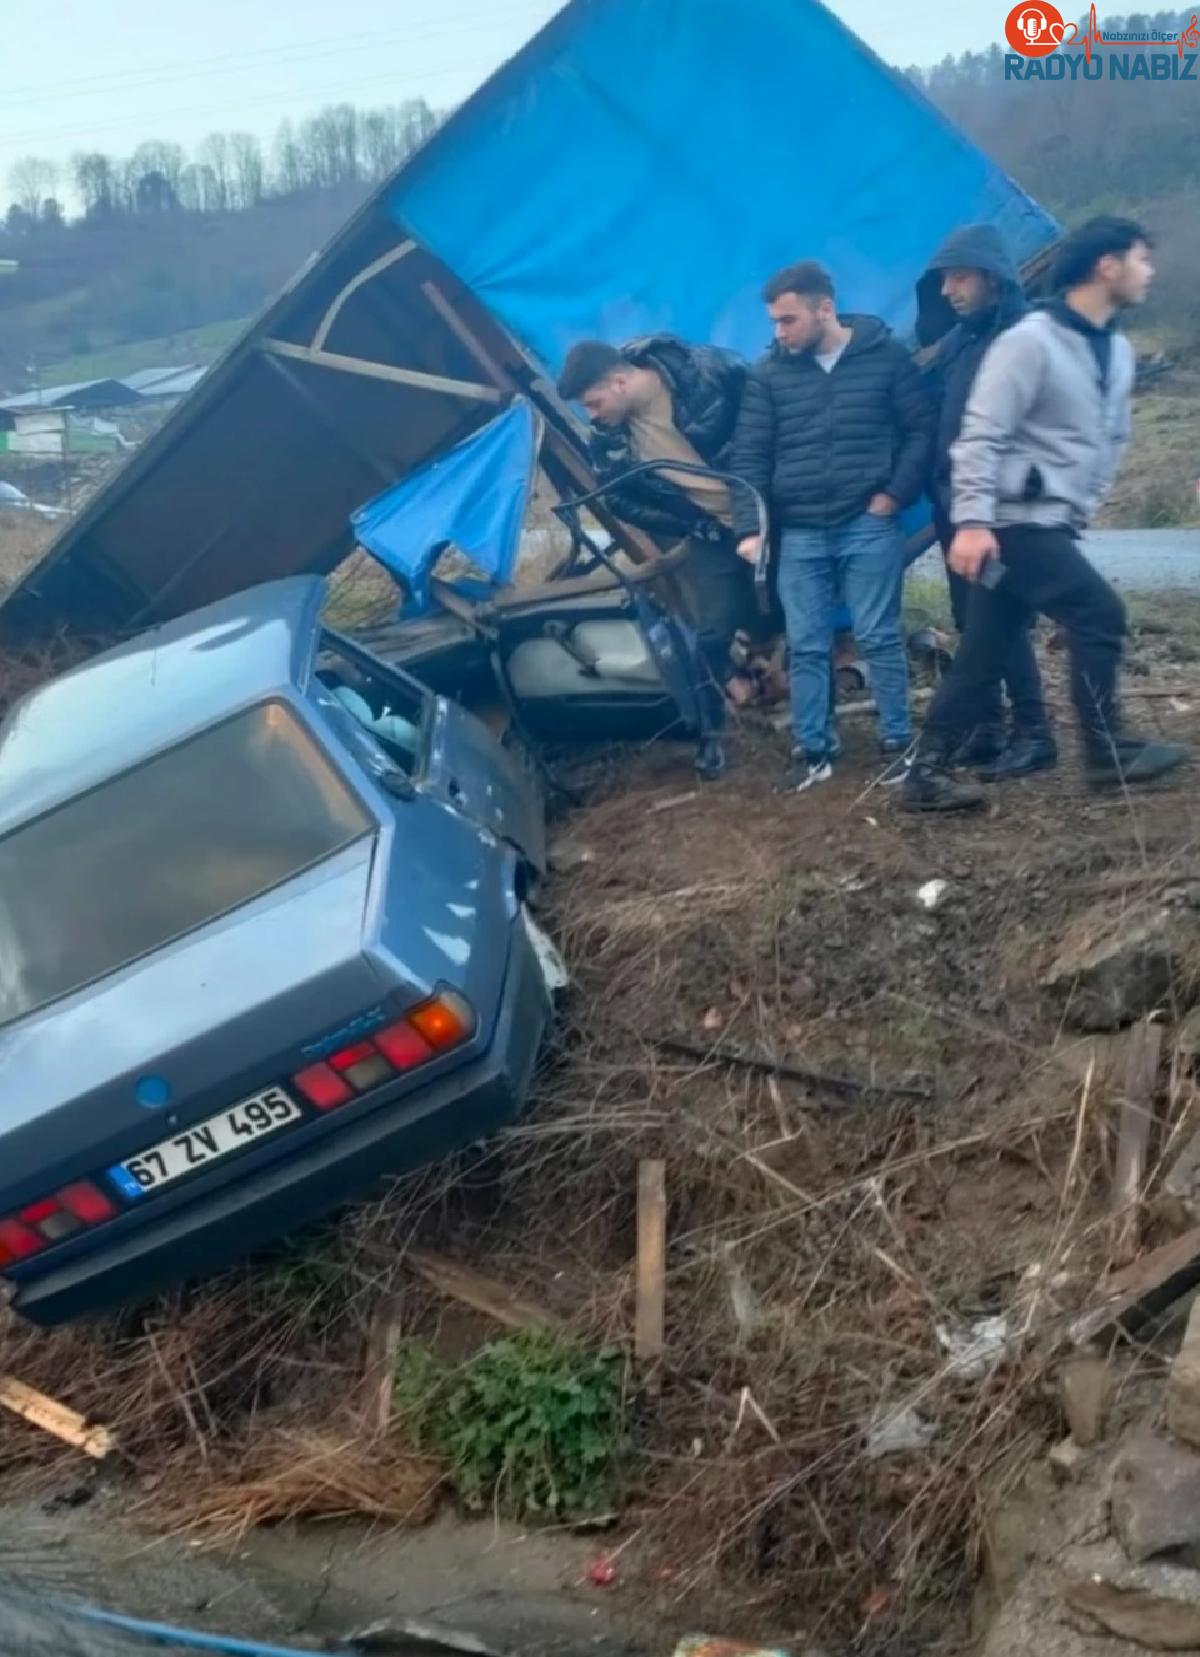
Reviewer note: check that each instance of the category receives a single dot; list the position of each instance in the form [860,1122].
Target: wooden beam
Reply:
[1143,1050]
[650,1316]
[368,274]
[483,1294]
[381,371]
[55,1418]
[1134,1297]
[640,547]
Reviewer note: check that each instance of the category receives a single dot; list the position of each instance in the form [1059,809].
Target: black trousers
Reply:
[1043,572]
[1019,676]
[718,590]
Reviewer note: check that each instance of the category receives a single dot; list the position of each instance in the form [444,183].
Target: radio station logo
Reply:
[1046,47]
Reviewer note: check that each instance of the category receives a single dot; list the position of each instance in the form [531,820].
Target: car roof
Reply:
[153,692]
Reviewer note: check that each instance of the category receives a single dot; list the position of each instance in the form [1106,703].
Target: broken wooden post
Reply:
[379,1371]
[650,1316]
[1143,1049]
[55,1418]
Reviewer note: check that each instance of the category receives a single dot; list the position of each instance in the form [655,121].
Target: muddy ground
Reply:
[829,1238]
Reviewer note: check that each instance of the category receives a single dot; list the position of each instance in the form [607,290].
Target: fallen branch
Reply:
[716,1053]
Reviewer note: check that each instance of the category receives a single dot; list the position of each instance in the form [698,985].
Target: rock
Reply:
[1114,968]
[1183,1388]
[1085,1385]
[1179,1199]
[1187,1040]
[1148,1619]
[1155,1497]
[568,857]
[1067,1458]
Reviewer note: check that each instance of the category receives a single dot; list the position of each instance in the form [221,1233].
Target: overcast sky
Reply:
[80,75]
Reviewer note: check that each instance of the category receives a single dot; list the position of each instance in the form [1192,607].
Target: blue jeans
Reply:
[864,560]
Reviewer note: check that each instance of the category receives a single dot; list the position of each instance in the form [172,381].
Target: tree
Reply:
[96,182]
[199,191]
[19,222]
[31,180]
[249,171]
[215,155]
[289,161]
[153,194]
[167,160]
[52,215]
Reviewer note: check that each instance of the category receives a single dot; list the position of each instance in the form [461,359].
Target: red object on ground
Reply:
[602,1573]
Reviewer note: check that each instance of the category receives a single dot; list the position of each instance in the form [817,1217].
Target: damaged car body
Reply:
[264,938]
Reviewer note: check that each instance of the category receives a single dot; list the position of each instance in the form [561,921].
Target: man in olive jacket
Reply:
[835,430]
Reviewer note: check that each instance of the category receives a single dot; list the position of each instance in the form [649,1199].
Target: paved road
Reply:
[1137,560]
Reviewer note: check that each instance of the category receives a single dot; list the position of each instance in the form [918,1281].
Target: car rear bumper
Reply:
[218,1229]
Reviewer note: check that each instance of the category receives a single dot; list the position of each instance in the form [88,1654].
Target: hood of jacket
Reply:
[973,247]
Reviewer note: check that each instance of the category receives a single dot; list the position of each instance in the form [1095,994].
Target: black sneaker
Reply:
[1023,756]
[1131,761]
[984,747]
[928,787]
[804,773]
[897,757]
[710,759]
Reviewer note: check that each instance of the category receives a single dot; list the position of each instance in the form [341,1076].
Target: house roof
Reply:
[108,393]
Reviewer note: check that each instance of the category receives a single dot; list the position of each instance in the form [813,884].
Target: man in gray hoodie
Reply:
[969,295]
[1046,422]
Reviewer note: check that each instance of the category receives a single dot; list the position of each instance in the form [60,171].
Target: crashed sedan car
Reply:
[264,937]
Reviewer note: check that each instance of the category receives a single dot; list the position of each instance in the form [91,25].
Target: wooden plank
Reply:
[379,1371]
[55,1418]
[1143,1051]
[650,1315]
[1133,1297]
[483,1294]
[380,371]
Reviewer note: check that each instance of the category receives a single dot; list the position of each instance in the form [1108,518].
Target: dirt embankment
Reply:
[932,1168]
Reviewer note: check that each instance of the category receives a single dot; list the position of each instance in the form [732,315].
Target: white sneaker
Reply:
[801,776]
[897,769]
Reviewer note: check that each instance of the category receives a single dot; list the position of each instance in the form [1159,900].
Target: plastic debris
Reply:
[974,1349]
[601,1573]
[895,1430]
[932,893]
[701,1645]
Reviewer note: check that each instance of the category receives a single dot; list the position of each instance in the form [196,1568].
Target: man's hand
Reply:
[970,550]
[883,506]
[749,548]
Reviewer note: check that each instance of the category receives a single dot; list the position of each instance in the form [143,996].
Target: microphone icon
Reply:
[1032,25]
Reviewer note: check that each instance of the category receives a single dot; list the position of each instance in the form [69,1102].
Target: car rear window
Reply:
[158,851]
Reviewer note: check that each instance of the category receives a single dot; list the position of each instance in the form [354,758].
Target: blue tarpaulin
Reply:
[646,164]
[474,497]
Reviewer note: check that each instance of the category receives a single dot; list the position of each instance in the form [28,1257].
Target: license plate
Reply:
[230,1130]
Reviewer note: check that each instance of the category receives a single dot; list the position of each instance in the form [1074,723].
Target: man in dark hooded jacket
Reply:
[972,288]
[660,399]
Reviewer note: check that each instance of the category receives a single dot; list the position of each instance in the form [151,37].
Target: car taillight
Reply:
[51,1219]
[435,1027]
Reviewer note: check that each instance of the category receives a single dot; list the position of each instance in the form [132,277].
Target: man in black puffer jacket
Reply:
[835,430]
[660,399]
[972,288]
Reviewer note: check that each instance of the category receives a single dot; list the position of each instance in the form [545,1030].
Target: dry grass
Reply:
[284,1474]
[23,539]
